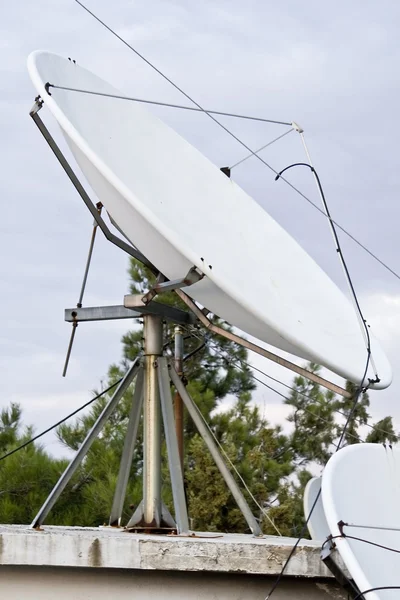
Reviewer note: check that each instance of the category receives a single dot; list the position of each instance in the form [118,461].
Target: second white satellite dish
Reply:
[314,510]
[179,210]
[361,487]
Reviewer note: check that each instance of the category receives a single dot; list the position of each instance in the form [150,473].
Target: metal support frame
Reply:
[152,390]
[86,444]
[212,447]
[202,316]
[174,458]
[81,190]
[193,276]
[107,313]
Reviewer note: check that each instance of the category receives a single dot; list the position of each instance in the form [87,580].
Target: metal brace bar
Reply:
[127,452]
[86,444]
[139,300]
[82,192]
[212,447]
[108,313]
[266,353]
[178,490]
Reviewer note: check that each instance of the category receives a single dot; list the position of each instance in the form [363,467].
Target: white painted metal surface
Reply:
[180,210]
[317,525]
[361,486]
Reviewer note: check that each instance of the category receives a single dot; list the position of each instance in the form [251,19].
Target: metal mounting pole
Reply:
[178,402]
[153,348]
[86,444]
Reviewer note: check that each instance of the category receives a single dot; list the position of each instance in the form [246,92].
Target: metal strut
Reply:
[82,192]
[202,316]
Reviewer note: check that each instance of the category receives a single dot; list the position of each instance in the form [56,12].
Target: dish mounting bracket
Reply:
[339,574]
[161,286]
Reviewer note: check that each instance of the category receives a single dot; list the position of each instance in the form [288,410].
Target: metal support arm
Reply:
[82,192]
[262,351]
[107,313]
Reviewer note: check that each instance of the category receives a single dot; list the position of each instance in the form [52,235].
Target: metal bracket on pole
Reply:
[139,300]
[107,313]
[266,353]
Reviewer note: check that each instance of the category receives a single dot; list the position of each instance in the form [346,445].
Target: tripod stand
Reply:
[152,375]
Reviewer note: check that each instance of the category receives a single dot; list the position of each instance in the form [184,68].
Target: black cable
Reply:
[357,539]
[36,437]
[376,589]
[361,389]
[230,361]
[338,250]
[289,387]
[278,579]
[293,550]
[249,366]
[235,137]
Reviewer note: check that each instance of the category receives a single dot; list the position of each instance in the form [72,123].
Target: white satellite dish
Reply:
[313,508]
[180,210]
[361,487]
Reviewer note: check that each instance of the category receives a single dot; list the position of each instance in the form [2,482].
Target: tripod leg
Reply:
[219,461]
[127,452]
[86,444]
[174,460]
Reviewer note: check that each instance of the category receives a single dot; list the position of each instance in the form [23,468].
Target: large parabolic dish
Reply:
[361,487]
[180,210]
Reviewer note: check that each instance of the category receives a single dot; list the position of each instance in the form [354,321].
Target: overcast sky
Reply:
[333,69]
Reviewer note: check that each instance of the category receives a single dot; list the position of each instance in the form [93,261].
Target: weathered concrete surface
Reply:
[50,583]
[117,549]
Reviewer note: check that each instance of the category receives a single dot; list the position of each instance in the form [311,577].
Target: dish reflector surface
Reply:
[180,210]
[361,486]
[317,524]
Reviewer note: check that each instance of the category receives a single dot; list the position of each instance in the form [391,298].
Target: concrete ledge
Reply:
[117,549]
